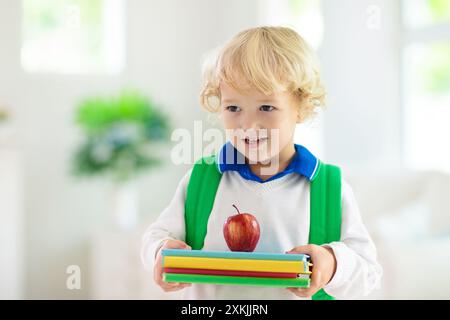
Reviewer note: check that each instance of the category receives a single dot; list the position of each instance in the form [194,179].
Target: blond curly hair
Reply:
[270,59]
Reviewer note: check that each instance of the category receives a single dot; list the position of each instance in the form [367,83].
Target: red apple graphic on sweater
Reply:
[241,231]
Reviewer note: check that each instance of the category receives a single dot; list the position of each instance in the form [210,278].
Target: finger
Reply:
[162,283]
[169,285]
[157,275]
[315,282]
[172,284]
[306,292]
[312,289]
[301,292]
[169,289]
[177,286]
[307,249]
[176,244]
[316,277]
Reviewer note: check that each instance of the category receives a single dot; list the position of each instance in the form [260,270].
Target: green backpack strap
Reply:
[201,192]
[325,210]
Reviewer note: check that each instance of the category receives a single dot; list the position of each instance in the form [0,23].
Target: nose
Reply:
[250,123]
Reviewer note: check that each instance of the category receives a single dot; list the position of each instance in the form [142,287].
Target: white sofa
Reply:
[408,216]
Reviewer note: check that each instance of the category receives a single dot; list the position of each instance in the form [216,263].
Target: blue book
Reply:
[236,255]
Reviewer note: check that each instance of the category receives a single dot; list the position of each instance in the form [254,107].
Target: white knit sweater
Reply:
[281,207]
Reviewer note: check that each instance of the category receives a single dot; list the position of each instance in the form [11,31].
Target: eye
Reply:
[267,108]
[233,108]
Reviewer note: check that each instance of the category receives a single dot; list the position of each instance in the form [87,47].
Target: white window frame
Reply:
[114,33]
[433,33]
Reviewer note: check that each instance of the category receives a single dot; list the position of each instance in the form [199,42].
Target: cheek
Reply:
[230,124]
[228,119]
[284,128]
[280,121]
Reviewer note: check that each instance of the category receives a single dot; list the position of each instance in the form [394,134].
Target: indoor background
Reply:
[79,183]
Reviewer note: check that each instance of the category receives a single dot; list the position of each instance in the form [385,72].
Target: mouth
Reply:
[254,143]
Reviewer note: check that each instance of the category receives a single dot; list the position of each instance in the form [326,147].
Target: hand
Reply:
[323,269]
[158,269]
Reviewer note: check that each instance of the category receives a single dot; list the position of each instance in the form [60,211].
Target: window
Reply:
[426,84]
[304,16]
[73,36]
[422,13]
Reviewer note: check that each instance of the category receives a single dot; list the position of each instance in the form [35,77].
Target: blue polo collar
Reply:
[230,159]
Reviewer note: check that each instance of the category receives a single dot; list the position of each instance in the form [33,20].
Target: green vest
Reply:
[325,205]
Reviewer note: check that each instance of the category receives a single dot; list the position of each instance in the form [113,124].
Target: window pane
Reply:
[304,16]
[427,101]
[420,13]
[73,36]
[307,19]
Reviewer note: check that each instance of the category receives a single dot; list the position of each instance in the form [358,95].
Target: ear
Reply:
[296,102]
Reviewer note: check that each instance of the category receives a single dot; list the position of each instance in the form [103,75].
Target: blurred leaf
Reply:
[3,115]
[440,9]
[80,22]
[436,68]
[118,132]
[300,6]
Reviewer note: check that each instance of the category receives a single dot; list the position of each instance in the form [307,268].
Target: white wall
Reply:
[361,70]
[11,197]
[11,226]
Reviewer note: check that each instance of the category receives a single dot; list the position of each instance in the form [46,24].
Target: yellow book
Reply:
[236,264]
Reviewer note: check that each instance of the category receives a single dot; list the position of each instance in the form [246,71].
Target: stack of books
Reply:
[236,268]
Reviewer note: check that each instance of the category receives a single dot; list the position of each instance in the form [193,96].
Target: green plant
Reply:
[436,68]
[119,135]
[439,9]
[3,115]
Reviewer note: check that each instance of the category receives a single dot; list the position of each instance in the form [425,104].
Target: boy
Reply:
[266,82]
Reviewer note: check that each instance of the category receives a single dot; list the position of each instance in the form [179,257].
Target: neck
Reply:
[285,157]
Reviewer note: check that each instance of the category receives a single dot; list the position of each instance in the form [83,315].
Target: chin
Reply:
[258,156]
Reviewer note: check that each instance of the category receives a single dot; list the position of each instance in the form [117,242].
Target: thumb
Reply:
[300,249]
[183,245]
[176,244]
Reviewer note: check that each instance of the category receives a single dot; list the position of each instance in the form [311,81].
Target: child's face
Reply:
[272,119]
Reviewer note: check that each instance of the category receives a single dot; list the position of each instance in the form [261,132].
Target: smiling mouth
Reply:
[254,142]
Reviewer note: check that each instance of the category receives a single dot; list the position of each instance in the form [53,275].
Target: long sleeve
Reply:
[357,270]
[169,225]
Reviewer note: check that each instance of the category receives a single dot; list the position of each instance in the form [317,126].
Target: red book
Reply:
[232,273]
